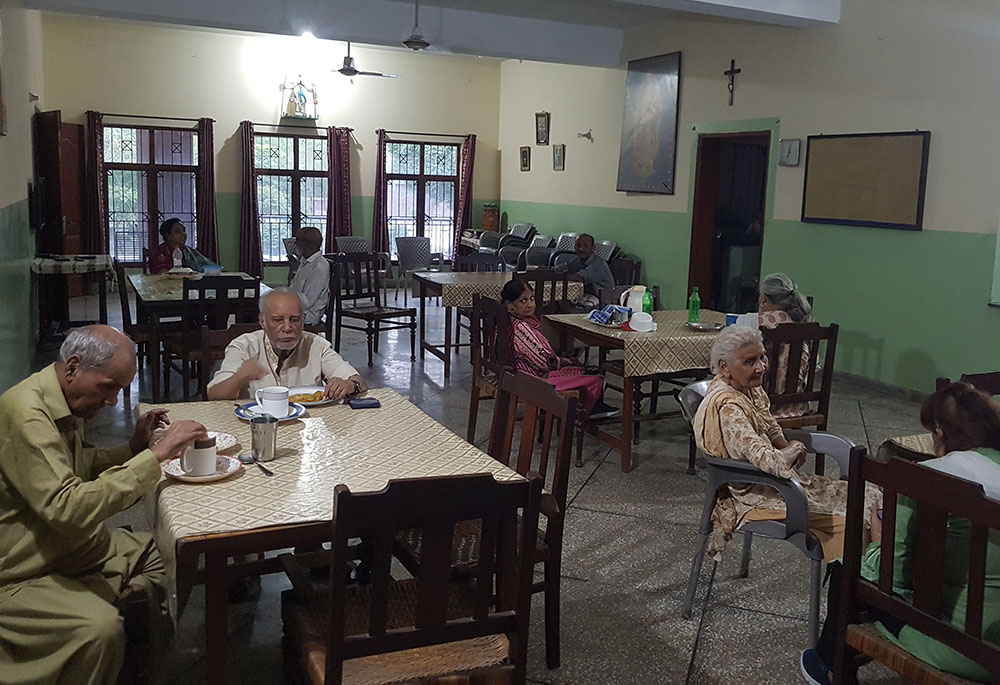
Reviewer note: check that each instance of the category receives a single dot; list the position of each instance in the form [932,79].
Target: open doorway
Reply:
[727,224]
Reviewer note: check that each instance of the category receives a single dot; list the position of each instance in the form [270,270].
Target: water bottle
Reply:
[647,302]
[694,306]
[178,258]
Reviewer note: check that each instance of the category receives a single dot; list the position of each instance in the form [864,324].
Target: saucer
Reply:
[223,441]
[705,327]
[224,467]
[250,409]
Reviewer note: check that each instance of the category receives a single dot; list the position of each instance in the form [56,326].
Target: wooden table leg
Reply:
[423,318]
[447,342]
[626,446]
[102,296]
[216,618]
[154,362]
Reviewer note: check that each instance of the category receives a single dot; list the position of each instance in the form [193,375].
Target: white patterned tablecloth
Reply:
[672,347]
[330,445]
[71,264]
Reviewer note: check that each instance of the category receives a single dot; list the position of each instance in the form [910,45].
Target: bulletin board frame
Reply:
[866,179]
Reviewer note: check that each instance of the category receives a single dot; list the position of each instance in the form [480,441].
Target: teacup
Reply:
[273,400]
[199,458]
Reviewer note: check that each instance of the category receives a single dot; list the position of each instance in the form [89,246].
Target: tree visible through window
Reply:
[422,192]
[292,173]
[150,174]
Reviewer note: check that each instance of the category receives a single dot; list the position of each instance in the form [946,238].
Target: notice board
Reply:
[866,179]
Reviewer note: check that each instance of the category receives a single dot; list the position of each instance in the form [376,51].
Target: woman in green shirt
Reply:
[965,425]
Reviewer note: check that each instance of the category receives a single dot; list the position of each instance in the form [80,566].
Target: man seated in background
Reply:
[312,277]
[62,571]
[282,354]
[593,270]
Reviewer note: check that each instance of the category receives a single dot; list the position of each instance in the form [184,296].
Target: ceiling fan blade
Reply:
[376,73]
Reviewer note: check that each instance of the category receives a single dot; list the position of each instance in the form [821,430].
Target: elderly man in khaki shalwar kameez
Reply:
[60,567]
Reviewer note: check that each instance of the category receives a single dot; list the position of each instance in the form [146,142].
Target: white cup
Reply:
[199,458]
[641,321]
[273,400]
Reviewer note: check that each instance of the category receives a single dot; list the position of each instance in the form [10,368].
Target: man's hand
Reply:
[251,370]
[338,389]
[144,427]
[176,439]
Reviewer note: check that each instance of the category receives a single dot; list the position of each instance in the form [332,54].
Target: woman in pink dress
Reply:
[532,353]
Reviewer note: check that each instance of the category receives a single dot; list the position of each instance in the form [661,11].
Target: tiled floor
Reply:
[629,541]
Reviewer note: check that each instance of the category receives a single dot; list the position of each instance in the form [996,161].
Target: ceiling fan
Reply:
[416,41]
[350,70]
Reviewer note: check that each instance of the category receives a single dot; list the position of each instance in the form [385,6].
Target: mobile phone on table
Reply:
[364,403]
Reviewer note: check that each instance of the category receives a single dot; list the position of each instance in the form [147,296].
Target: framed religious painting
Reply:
[525,158]
[559,157]
[648,150]
[542,128]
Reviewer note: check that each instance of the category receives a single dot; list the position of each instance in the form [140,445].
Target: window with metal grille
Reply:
[150,175]
[422,192]
[292,175]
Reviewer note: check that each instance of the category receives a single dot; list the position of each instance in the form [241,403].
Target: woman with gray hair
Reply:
[781,303]
[734,421]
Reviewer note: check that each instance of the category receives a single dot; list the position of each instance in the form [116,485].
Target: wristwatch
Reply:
[357,387]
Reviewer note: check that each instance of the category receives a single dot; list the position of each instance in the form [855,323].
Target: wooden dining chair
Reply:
[355,291]
[141,332]
[988,382]
[805,346]
[490,324]
[625,271]
[532,432]
[474,263]
[952,533]
[547,284]
[432,625]
[209,303]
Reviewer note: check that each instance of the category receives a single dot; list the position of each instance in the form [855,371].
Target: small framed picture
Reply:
[541,128]
[558,157]
[525,158]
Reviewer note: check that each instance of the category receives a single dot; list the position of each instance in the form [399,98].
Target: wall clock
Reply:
[788,152]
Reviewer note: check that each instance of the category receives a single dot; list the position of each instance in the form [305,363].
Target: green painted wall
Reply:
[18,325]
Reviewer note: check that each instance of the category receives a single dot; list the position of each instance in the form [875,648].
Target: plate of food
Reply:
[308,395]
[224,468]
[704,326]
[250,409]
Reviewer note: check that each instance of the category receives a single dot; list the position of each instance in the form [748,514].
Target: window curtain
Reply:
[380,217]
[251,260]
[208,232]
[338,205]
[463,212]
[95,237]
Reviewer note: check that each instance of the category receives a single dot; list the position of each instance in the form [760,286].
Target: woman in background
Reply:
[781,302]
[161,257]
[532,353]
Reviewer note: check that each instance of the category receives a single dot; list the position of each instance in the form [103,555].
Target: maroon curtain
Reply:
[208,231]
[338,205]
[95,237]
[464,211]
[380,217]
[251,260]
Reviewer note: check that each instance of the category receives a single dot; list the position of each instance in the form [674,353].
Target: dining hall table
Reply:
[456,289]
[249,513]
[159,297]
[673,348]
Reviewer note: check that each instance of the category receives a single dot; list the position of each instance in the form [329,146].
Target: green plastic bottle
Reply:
[694,306]
[647,302]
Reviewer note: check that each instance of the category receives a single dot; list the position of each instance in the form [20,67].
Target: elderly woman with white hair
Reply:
[734,421]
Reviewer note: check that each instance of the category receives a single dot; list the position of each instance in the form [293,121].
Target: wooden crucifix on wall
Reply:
[731,73]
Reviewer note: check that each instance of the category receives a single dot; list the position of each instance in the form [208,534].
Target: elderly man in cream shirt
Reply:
[282,354]
[312,278]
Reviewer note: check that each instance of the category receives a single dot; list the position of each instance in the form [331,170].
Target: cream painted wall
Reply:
[889,65]
[135,68]
[21,60]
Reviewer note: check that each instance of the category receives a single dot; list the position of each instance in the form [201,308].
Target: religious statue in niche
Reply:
[299,100]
